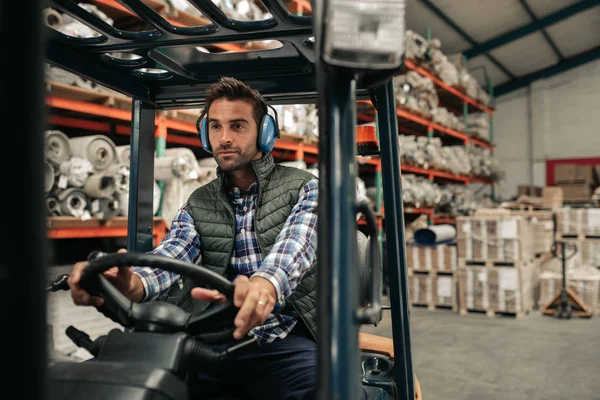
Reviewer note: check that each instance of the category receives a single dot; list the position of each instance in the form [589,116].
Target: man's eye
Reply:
[214,126]
[238,126]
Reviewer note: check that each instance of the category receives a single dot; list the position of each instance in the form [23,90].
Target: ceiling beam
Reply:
[530,28]
[534,18]
[562,66]
[461,32]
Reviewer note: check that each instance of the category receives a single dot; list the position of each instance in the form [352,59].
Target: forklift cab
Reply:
[346,51]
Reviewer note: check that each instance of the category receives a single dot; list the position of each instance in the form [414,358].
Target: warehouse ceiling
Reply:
[513,42]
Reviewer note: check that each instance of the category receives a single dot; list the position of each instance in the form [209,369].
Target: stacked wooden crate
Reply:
[497,268]
[432,276]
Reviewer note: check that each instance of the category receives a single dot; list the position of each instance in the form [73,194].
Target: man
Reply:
[255,224]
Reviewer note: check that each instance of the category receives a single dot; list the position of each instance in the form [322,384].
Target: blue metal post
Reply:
[141,178]
[396,251]
[338,359]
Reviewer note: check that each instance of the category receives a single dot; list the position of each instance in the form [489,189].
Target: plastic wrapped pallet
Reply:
[438,258]
[578,221]
[498,289]
[444,287]
[495,238]
[420,289]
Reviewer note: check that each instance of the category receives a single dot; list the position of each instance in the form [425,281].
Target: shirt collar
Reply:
[236,193]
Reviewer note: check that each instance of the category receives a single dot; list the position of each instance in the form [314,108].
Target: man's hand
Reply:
[255,297]
[122,278]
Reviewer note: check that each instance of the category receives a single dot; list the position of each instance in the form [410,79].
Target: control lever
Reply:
[60,283]
[83,340]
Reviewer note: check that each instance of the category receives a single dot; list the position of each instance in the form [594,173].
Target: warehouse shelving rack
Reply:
[173,49]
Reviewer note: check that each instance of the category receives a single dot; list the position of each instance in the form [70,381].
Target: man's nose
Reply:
[225,136]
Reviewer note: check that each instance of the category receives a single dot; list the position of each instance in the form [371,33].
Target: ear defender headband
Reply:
[268,129]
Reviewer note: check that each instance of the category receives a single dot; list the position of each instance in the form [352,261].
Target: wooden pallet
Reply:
[436,307]
[576,236]
[491,263]
[492,313]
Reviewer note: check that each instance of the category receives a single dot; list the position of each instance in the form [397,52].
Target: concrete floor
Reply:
[476,357]
[455,357]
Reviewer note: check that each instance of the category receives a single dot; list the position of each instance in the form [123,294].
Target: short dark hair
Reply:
[232,89]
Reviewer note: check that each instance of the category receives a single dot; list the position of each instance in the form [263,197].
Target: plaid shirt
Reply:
[289,259]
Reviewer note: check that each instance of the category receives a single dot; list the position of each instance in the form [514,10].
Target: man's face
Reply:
[232,132]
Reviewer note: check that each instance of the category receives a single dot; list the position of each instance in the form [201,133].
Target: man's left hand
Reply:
[255,297]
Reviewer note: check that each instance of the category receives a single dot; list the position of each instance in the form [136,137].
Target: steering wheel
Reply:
[213,326]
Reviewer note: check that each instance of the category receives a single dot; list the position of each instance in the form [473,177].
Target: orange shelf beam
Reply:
[159,231]
[422,71]
[402,113]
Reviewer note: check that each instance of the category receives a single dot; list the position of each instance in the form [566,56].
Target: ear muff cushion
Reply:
[204,135]
[267,134]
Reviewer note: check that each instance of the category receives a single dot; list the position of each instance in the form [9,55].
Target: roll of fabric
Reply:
[124,201]
[168,168]
[48,177]
[123,154]
[106,208]
[76,171]
[52,18]
[53,206]
[100,150]
[100,186]
[73,202]
[58,147]
[121,174]
[435,234]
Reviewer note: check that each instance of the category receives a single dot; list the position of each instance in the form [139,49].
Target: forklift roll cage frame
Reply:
[293,73]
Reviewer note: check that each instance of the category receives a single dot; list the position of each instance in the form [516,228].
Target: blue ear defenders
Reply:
[268,131]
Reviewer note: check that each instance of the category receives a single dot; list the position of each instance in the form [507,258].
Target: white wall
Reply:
[565,123]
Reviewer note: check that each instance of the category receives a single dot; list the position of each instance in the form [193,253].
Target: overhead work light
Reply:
[364,34]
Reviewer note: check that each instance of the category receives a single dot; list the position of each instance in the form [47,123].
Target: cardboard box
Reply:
[576,192]
[420,289]
[529,190]
[494,237]
[578,221]
[574,173]
[432,290]
[445,290]
[498,289]
[552,197]
[425,258]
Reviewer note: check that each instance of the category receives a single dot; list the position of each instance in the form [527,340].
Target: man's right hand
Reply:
[123,279]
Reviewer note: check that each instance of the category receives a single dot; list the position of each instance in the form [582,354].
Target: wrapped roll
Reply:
[123,154]
[168,168]
[77,171]
[52,18]
[124,201]
[58,148]
[121,174]
[73,202]
[100,150]
[106,208]
[100,186]
[48,177]
[53,206]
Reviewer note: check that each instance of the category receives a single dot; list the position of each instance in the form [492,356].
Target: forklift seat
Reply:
[383,345]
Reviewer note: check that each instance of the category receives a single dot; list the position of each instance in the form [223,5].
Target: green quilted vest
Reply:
[210,206]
